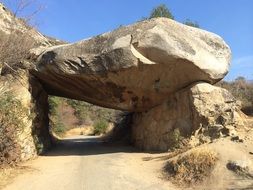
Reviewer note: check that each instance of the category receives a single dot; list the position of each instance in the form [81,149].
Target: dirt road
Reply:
[86,163]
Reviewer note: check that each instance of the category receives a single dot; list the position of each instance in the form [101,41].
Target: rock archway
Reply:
[159,69]
[134,68]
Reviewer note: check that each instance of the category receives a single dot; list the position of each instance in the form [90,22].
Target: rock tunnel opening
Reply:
[69,118]
[60,121]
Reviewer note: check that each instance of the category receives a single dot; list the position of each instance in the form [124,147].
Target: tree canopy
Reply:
[161,11]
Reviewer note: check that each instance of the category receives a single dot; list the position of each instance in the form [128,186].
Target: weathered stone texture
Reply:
[40,109]
[19,143]
[159,69]
[201,112]
[136,67]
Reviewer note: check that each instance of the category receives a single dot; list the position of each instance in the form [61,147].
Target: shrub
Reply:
[55,120]
[191,167]
[12,122]
[12,112]
[81,110]
[161,11]
[88,113]
[188,22]
[53,102]
[100,127]
[56,125]
[175,138]
[59,128]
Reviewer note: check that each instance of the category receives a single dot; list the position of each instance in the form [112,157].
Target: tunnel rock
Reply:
[197,114]
[135,67]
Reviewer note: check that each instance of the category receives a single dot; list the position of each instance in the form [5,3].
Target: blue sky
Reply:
[72,20]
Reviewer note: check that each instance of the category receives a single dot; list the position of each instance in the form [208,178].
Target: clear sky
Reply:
[72,20]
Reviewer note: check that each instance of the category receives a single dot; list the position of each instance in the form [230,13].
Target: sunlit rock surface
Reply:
[135,67]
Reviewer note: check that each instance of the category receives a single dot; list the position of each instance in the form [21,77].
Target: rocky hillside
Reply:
[17,36]
[67,114]
[9,24]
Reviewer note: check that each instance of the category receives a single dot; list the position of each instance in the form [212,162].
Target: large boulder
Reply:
[197,114]
[135,67]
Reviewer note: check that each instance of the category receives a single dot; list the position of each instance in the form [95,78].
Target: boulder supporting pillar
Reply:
[194,115]
[41,132]
[24,129]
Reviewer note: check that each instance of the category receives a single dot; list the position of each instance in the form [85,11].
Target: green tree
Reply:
[161,11]
[191,23]
[57,126]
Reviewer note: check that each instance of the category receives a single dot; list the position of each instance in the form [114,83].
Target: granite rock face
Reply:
[20,141]
[201,112]
[136,67]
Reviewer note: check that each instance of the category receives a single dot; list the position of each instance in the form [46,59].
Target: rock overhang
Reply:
[136,67]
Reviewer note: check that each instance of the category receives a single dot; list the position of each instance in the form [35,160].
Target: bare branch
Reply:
[21,6]
[25,9]
[15,46]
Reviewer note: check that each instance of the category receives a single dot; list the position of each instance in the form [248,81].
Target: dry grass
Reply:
[192,167]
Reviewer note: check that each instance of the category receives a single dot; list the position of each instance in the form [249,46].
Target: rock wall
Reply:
[29,136]
[40,109]
[197,114]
